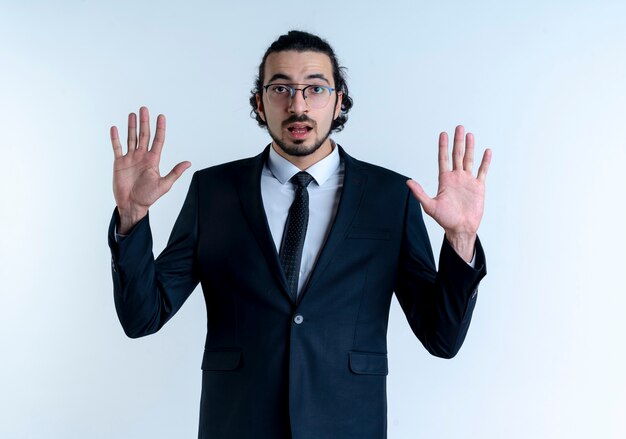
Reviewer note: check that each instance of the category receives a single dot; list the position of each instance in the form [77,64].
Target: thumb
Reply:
[420,195]
[175,173]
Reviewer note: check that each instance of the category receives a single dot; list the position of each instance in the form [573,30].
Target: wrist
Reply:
[462,243]
[129,217]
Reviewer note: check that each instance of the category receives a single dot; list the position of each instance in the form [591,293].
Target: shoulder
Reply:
[381,175]
[231,170]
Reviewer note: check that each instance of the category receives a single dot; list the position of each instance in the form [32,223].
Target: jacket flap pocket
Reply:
[221,360]
[368,363]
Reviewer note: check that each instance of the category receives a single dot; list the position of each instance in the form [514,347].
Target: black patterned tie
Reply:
[295,231]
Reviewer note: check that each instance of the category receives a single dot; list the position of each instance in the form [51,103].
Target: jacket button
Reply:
[298,319]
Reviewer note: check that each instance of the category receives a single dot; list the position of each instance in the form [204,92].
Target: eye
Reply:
[317,89]
[280,89]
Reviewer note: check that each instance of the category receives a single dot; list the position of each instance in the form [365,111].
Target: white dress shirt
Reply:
[324,193]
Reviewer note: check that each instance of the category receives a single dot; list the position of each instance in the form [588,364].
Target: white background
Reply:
[542,83]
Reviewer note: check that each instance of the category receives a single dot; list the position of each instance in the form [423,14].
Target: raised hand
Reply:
[137,182]
[458,205]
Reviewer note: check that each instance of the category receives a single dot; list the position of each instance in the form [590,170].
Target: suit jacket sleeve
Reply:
[438,304]
[148,292]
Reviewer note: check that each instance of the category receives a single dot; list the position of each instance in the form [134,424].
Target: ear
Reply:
[259,107]
[338,105]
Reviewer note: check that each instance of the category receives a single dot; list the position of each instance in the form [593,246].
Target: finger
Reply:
[144,128]
[444,165]
[421,196]
[457,148]
[159,136]
[468,157]
[484,165]
[115,141]
[175,173]
[131,142]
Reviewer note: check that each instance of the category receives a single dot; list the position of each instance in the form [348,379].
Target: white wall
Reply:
[542,83]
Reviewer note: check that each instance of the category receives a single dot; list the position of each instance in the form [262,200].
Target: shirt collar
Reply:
[321,171]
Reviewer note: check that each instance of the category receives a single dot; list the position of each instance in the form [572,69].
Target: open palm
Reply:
[137,182]
[459,203]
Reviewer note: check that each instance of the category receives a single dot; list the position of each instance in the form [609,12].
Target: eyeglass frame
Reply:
[292,90]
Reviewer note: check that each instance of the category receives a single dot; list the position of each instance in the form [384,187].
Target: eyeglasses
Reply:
[316,96]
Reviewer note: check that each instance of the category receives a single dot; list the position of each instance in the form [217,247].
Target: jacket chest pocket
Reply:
[381,233]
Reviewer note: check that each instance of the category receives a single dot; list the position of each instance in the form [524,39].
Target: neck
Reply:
[306,161]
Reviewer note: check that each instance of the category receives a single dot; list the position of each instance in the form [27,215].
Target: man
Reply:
[298,269]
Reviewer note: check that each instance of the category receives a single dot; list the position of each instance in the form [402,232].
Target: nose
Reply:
[298,104]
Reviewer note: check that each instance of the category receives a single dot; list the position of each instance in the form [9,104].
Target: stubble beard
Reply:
[296,148]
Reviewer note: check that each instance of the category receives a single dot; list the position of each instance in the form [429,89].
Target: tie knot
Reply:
[302,179]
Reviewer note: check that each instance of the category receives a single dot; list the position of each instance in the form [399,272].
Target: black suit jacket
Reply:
[276,369]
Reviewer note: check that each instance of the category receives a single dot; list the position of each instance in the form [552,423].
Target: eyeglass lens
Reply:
[316,96]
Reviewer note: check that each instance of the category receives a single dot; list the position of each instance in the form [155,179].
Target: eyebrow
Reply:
[287,78]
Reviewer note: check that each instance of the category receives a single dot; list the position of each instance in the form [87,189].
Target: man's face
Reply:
[296,128]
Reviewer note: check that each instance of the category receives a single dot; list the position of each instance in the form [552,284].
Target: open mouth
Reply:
[298,130]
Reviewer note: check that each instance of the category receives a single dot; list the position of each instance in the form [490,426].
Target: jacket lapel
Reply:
[354,183]
[249,189]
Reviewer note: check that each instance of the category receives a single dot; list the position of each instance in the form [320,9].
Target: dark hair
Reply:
[302,42]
